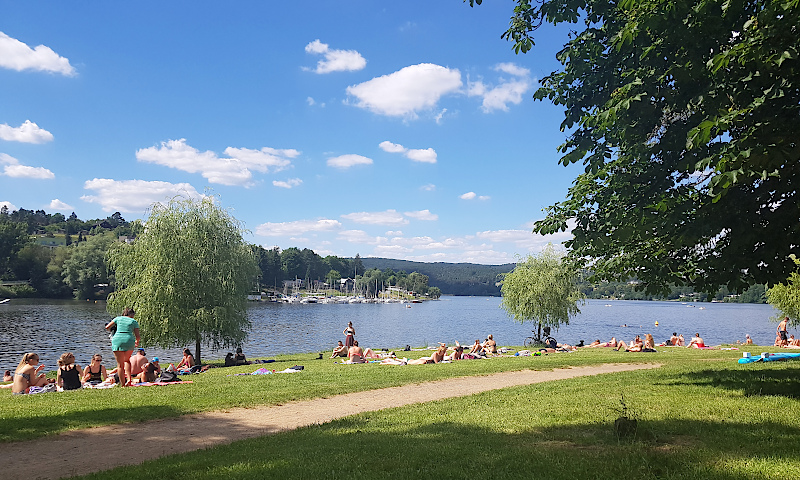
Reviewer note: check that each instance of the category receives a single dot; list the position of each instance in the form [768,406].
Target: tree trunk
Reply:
[539,335]
[197,352]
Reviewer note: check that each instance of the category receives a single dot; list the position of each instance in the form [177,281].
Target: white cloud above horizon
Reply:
[297,227]
[235,169]
[60,206]
[473,196]
[426,155]
[290,183]
[11,207]
[28,132]
[507,91]
[348,160]
[422,215]
[14,169]
[389,217]
[133,196]
[407,92]
[335,60]
[16,55]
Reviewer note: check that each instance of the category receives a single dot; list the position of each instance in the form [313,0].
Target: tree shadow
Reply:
[24,428]
[367,446]
[752,381]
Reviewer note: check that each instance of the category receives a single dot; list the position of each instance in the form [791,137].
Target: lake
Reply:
[52,327]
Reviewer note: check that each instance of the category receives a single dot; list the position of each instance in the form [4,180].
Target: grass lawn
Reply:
[701,415]
[27,417]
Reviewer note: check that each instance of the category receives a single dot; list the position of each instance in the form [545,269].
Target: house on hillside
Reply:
[346,284]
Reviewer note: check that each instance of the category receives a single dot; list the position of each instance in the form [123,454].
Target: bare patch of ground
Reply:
[150,440]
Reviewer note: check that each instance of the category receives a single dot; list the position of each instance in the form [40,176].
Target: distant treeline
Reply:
[627,291]
[50,255]
[450,278]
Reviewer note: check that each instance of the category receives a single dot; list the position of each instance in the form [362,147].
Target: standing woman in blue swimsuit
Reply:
[125,339]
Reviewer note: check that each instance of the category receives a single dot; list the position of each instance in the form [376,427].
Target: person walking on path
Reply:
[349,335]
[782,332]
[125,339]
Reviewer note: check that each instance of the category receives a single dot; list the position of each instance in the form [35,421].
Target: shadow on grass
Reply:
[374,445]
[24,428]
[751,380]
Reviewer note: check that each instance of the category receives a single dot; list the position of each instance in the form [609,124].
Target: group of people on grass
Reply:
[782,337]
[356,354]
[29,375]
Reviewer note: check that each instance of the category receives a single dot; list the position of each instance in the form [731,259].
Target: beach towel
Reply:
[771,357]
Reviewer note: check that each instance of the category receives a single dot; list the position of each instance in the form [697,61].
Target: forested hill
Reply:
[451,278]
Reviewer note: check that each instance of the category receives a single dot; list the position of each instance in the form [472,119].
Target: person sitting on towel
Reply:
[355,354]
[150,372]
[696,342]
[339,350]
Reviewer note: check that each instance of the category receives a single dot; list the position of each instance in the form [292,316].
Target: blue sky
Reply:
[394,129]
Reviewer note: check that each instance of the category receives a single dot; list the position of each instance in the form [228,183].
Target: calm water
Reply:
[53,327]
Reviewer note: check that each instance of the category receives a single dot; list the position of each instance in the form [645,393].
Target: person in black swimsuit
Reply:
[69,373]
[95,373]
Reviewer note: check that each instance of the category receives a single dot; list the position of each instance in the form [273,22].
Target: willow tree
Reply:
[786,296]
[187,276]
[543,289]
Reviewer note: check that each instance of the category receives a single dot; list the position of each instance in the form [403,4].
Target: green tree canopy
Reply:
[786,296]
[542,288]
[13,237]
[686,116]
[86,265]
[187,276]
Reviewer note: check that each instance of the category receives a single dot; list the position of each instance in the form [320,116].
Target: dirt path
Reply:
[192,432]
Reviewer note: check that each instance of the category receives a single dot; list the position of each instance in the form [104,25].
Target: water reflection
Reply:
[51,328]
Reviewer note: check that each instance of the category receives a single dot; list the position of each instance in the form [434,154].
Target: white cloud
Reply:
[391,251]
[428,188]
[422,215]
[389,217]
[133,195]
[16,55]
[512,69]
[394,233]
[408,91]
[390,147]
[297,227]
[349,160]
[14,169]
[506,92]
[472,196]
[264,159]
[235,170]
[427,155]
[28,132]
[335,60]
[59,206]
[310,101]
[24,171]
[292,182]
[11,206]
[360,236]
